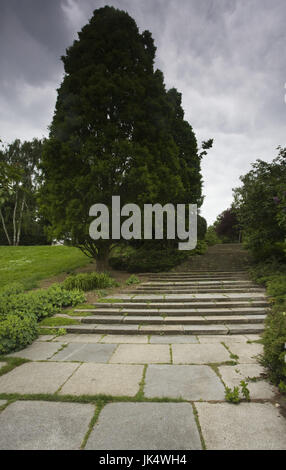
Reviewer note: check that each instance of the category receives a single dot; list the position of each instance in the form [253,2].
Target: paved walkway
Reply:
[103,387]
[70,394]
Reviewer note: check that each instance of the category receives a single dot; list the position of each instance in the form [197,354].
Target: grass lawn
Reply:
[30,264]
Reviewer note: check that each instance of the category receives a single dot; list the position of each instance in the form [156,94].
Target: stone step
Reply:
[166,329]
[234,282]
[173,320]
[202,297]
[174,312]
[193,290]
[206,272]
[174,305]
[199,276]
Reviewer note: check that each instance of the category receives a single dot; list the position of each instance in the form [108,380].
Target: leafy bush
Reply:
[155,260]
[11,289]
[132,280]
[264,271]
[201,248]
[17,331]
[88,281]
[19,313]
[211,237]
[273,275]
[147,259]
[274,340]
[276,287]
[260,205]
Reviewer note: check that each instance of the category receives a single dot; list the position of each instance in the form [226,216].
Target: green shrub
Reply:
[201,248]
[211,237]
[147,259]
[132,280]
[11,289]
[41,303]
[274,340]
[272,274]
[19,312]
[89,281]
[155,260]
[17,331]
[276,287]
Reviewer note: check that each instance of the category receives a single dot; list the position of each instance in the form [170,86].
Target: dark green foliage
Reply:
[89,281]
[147,259]
[116,131]
[19,313]
[227,226]
[274,340]
[272,274]
[261,207]
[17,331]
[211,237]
[202,227]
[12,289]
[132,280]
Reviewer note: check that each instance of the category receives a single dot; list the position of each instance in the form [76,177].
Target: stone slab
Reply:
[245,329]
[205,329]
[247,352]
[141,354]
[40,425]
[45,337]
[247,426]
[139,426]
[199,353]
[187,382]
[222,338]
[3,402]
[78,338]
[38,351]
[162,328]
[108,379]
[253,337]
[129,339]
[169,339]
[85,352]
[36,377]
[260,389]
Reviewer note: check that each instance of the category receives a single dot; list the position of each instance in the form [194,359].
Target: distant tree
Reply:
[202,227]
[112,132]
[261,206]
[227,226]
[19,173]
[211,236]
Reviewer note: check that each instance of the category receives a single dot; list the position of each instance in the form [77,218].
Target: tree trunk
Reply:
[102,258]
[14,221]
[102,265]
[5,228]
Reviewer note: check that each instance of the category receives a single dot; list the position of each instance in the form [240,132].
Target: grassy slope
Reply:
[30,264]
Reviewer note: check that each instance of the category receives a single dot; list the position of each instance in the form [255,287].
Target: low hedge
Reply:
[152,260]
[272,275]
[274,340]
[89,281]
[20,312]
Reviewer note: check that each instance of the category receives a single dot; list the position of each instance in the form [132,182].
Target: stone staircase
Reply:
[191,301]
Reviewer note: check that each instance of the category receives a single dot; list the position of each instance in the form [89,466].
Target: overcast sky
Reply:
[226,57]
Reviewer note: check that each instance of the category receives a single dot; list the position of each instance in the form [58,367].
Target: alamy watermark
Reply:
[131,228]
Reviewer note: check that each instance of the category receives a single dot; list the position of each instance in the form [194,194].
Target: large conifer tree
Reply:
[113,132]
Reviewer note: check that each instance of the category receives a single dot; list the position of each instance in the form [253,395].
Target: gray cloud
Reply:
[227,57]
